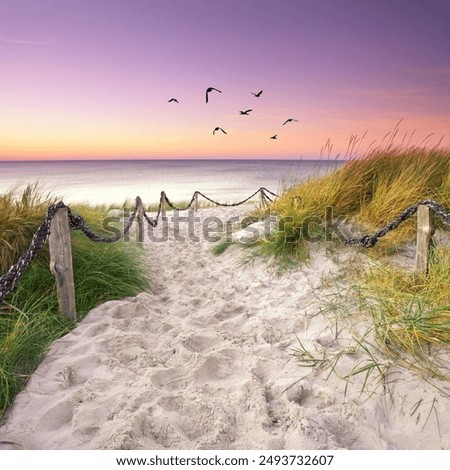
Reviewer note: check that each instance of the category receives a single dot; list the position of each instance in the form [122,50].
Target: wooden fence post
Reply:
[163,205]
[425,231]
[196,201]
[140,221]
[262,201]
[61,262]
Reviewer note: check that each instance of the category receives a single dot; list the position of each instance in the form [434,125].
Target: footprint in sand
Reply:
[78,370]
[198,420]
[57,416]
[150,425]
[169,379]
[200,343]
[229,311]
[213,368]
[119,310]
[95,330]
[271,335]
[67,377]
[196,303]
[299,392]
[172,403]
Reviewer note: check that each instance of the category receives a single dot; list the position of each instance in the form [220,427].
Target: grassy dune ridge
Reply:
[370,191]
[29,321]
[410,313]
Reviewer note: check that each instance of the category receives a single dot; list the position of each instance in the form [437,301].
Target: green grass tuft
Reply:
[221,247]
[29,321]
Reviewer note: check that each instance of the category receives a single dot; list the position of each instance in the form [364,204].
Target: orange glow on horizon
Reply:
[122,142]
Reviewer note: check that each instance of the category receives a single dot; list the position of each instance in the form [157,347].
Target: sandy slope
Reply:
[205,362]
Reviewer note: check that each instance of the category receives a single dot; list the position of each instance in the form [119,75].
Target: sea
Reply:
[115,181]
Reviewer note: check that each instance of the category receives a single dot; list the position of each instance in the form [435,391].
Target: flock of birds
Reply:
[241,113]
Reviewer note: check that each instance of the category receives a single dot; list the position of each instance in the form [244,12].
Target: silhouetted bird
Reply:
[257,94]
[245,113]
[173,99]
[289,120]
[208,90]
[274,136]
[218,129]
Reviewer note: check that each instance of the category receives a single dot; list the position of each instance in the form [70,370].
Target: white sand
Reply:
[205,362]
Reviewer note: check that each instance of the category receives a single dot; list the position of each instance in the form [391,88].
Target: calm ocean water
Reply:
[113,181]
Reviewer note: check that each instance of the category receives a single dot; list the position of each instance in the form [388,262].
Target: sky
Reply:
[91,79]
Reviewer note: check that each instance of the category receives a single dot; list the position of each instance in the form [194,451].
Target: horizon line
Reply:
[338,158]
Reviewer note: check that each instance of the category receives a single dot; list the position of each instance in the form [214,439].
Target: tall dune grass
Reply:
[410,313]
[29,321]
[19,218]
[370,191]
[385,318]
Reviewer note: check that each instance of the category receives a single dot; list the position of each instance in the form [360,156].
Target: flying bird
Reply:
[218,129]
[289,120]
[257,94]
[173,100]
[208,90]
[274,136]
[245,113]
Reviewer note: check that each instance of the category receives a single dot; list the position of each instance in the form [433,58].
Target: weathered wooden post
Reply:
[195,201]
[140,220]
[61,262]
[163,205]
[262,200]
[425,232]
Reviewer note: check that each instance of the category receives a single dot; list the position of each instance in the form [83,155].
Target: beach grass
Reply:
[370,191]
[409,312]
[29,321]
[20,216]
[385,318]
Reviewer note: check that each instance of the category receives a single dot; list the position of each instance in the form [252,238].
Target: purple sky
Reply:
[92,78]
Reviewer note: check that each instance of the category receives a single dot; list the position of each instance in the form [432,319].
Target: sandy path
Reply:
[205,362]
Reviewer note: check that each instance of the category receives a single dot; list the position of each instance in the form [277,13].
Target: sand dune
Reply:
[205,361]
